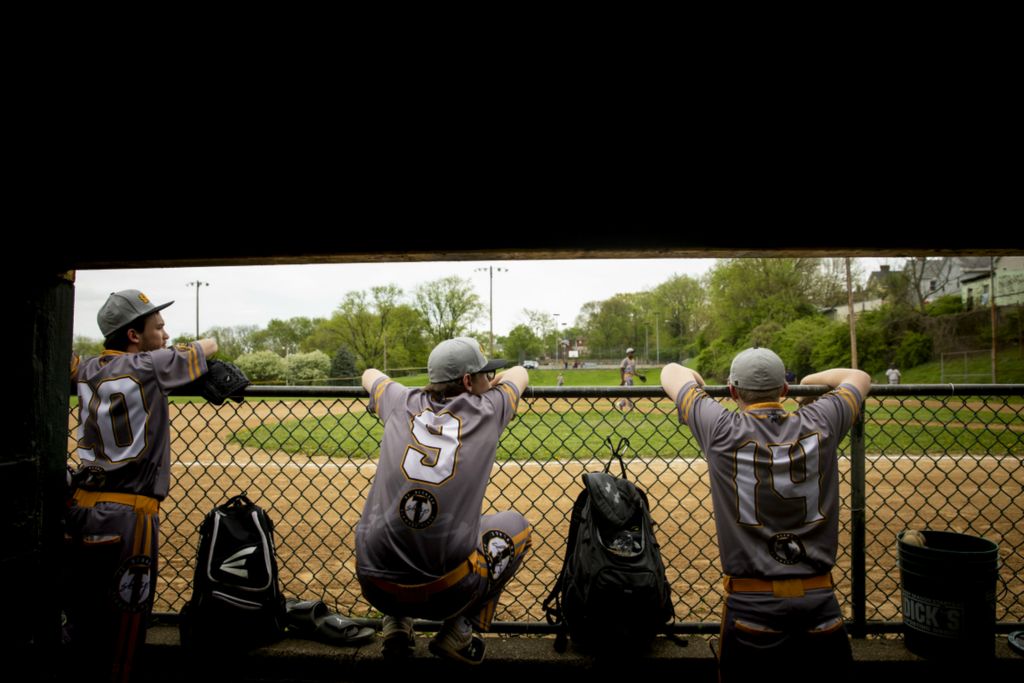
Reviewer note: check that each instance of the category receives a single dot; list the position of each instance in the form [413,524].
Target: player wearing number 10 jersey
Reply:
[422,547]
[112,520]
[775,492]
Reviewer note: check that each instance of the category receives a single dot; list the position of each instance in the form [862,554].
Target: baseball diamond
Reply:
[952,463]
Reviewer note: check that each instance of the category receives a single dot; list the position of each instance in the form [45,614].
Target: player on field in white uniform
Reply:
[422,547]
[775,492]
[111,525]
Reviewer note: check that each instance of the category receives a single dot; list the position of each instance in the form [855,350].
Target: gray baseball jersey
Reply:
[124,423]
[774,480]
[422,515]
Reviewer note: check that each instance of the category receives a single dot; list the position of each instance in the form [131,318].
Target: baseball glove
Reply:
[223,380]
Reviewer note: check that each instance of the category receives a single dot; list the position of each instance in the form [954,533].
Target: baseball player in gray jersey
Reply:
[627,370]
[775,492]
[111,524]
[422,547]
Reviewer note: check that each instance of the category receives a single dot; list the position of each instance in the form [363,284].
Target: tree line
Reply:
[776,302]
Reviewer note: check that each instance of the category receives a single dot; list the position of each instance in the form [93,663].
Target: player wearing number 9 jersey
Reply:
[775,492]
[422,547]
[112,520]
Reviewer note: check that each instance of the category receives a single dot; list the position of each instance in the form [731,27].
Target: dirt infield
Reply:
[316,502]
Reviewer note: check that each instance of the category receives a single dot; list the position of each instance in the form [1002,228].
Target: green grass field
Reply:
[541,434]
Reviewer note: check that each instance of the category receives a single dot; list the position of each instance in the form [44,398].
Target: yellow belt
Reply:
[421,591]
[144,504]
[780,588]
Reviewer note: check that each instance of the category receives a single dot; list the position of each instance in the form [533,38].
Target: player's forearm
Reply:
[836,376]
[370,376]
[674,376]
[515,375]
[208,345]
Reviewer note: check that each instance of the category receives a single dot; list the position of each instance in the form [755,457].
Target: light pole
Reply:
[197,284]
[490,303]
[657,337]
[556,337]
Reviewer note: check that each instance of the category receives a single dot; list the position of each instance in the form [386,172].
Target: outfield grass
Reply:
[580,432]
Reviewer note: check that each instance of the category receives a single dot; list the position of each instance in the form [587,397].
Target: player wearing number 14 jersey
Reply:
[422,547]
[775,492]
[112,520]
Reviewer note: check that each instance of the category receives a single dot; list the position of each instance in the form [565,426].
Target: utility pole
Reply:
[490,303]
[992,307]
[852,317]
[556,337]
[197,284]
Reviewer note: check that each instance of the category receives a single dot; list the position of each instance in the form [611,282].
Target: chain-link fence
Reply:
[934,456]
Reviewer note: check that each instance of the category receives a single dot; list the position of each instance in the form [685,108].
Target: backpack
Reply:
[236,599]
[611,594]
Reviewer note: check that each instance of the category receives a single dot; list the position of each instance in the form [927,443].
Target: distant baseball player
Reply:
[111,524]
[422,547]
[893,374]
[627,370]
[775,491]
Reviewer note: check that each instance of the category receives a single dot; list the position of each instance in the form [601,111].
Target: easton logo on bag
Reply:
[612,591]
[236,597]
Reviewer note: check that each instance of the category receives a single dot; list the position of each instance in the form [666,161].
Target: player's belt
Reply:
[421,591]
[780,588]
[144,504]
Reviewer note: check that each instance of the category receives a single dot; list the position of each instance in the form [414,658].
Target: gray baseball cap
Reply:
[123,307]
[757,369]
[453,358]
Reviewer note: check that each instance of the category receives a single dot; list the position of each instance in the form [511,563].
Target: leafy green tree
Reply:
[914,349]
[613,324]
[747,292]
[945,305]
[448,307]
[307,368]
[378,329]
[679,308]
[262,366]
[796,342]
[284,336]
[343,368]
[520,343]
[87,348]
[233,342]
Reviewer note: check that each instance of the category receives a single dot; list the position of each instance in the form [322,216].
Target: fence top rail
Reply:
[718,391]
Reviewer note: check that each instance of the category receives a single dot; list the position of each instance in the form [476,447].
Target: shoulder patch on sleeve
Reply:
[510,391]
[687,399]
[378,392]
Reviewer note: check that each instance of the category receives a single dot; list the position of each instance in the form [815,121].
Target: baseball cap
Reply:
[757,369]
[123,307]
[453,358]
[630,350]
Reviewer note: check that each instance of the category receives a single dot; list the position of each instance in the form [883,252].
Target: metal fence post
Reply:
[858,565]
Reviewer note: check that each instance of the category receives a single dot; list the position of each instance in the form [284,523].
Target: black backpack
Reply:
[236,598]
[612,594]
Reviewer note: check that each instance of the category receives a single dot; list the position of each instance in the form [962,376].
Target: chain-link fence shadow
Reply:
[308,456]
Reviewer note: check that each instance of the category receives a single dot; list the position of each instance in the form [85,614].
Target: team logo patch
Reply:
[143,298]
[133,585]
[418,509]
[499,548]
[786,548]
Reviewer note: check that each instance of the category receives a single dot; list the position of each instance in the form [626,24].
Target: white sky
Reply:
[253,295]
